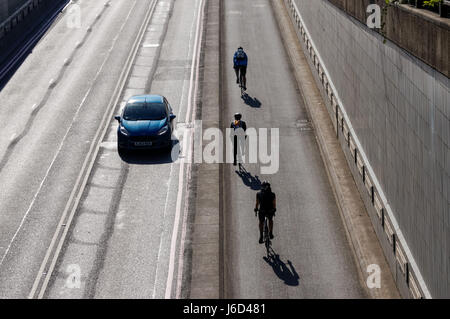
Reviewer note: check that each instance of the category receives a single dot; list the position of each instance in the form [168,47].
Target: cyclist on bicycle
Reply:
[240,61]
[267,206]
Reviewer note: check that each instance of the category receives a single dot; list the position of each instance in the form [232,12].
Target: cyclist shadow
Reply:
[250,101]
[285,273]
[248,179]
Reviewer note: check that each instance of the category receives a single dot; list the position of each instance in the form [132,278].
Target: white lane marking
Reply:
[197,46]
[150,45]
[191,35]
[55,157]
[109,145]
[184,229]
[66,6]
[93,149]
[52,83]
[44,179]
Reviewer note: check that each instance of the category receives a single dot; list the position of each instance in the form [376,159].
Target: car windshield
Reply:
[140,111]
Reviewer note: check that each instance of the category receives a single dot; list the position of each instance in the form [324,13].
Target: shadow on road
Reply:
[253,102]
[285,272]
[152,157]
[249,180]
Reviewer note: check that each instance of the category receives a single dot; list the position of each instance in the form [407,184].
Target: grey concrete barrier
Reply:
[404,269]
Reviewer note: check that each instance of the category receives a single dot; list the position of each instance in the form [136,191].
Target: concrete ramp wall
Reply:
[392,115]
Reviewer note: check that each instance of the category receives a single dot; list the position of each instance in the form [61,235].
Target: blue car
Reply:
[146,122]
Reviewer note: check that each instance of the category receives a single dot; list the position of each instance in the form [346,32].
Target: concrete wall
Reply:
[399,109]
[421,32]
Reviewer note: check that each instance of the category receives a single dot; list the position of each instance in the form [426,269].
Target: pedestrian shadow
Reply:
[248,179]
[250,101]
[152,157]
[285,272]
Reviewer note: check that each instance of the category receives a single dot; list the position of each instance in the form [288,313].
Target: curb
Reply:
[206,262]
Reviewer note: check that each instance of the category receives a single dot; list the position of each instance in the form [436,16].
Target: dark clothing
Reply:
[242,69]
[262,215]
[265,200]
[240,124]
[240,58]
[240,62]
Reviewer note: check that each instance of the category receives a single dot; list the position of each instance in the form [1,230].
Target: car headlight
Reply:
[163,130]
[124,131]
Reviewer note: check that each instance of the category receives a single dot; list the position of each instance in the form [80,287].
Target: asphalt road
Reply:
[311,256]
[124,236]
[124,239]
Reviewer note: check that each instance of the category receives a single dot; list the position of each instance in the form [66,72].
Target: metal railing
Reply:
[400,250]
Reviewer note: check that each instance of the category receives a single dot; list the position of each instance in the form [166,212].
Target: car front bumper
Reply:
[144,142]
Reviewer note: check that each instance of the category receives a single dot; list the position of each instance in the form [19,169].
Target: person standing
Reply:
[238,134]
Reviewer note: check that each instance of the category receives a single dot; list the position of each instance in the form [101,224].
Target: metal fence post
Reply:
[337,118]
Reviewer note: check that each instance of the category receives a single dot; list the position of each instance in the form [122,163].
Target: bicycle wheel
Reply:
[266,235]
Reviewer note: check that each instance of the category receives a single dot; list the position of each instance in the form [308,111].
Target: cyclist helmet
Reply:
[240,48]
[237,116]
[265,185]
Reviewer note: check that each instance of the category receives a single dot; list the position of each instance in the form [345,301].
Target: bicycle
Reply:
[241,83]
[266,237]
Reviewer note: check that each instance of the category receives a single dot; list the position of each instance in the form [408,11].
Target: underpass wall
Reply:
[392,115]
